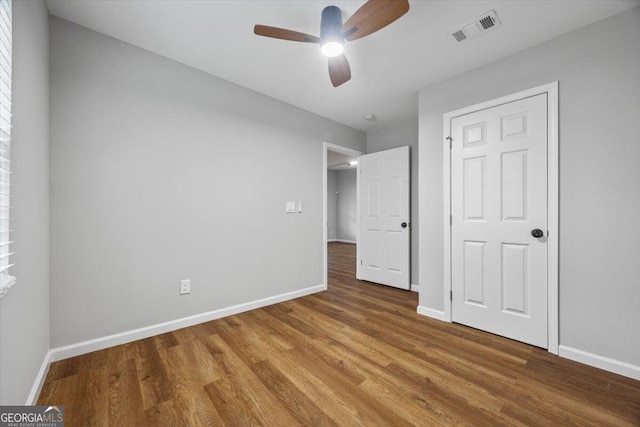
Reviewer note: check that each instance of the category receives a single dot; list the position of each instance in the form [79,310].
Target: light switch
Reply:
[291,207]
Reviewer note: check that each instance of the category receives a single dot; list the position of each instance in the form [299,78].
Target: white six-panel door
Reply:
[383,240]
[498,197]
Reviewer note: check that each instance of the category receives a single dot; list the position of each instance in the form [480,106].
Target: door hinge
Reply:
[450,142]
[450,295]
[450,219]
[360,262]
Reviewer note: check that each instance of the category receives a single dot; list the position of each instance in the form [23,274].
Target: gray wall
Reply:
[400,135]
[347,205]
[160,172]
[24,311]
[332,204]
[598,68]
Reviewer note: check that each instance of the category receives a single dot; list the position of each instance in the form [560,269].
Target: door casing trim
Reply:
[551,89]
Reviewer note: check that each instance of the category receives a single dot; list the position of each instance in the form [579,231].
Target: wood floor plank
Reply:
[291,396]
[282,312]
[198,367]
[64,392]
[92,390]
[166,340]
[152,375]
[325,397]
[441,399]
[164,414]
[232,409]
[191,403]
[356,355]
[61,369]
[275,338]
[354,337]
[240,385]
[125,399]
[413,344]
[380,385]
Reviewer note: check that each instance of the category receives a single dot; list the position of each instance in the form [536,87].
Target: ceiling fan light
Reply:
[331,38]
[332,49]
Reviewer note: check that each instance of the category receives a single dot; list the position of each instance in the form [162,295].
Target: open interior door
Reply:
[384,223]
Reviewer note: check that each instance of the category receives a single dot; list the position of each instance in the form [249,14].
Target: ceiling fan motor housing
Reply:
[369,18]
[331,25]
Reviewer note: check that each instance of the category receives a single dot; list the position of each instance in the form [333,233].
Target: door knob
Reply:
[537,233]
[403,225]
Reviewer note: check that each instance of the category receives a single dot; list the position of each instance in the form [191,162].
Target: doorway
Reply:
[379,225]
[501,216]
[340,199]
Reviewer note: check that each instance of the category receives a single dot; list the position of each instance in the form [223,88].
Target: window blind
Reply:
[6,280]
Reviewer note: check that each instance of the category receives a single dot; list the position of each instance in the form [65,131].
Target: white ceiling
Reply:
[388,67]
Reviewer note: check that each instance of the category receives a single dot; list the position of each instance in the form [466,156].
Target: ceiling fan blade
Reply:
[284,34]
[339,70]
[373,16]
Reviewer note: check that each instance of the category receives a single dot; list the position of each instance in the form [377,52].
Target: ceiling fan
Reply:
[371,17]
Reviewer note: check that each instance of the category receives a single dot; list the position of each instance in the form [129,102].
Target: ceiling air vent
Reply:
[459,35]
[481,25]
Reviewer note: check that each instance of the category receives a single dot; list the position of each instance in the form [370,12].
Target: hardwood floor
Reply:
[357,354]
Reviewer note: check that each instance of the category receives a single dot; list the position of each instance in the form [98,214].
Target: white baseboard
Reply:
[606,363]
[430,312]
[331,240]
[415,288]
[84,347]
[39,382]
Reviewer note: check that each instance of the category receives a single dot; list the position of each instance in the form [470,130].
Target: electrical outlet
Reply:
[185,286]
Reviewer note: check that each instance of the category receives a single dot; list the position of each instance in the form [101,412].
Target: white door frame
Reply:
[551,89]
[344,150]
